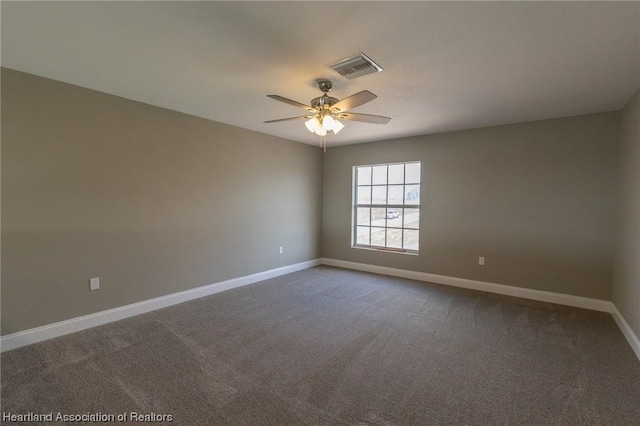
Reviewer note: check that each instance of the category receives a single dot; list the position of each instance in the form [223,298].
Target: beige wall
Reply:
[150,200]
[536,199]
[626,284]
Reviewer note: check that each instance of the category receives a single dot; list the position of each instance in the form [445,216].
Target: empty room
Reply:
[320,213]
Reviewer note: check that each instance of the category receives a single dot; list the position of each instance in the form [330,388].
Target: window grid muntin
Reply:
[400,207]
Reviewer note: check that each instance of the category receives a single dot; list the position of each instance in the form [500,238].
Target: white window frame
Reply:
[387,206]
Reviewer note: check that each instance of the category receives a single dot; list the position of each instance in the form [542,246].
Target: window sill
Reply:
[386,250]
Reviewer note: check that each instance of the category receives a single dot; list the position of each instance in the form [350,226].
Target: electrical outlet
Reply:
[481,261]
[281,250]
[94,283]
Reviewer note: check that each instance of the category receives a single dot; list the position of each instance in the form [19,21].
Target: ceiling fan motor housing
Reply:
[323,102]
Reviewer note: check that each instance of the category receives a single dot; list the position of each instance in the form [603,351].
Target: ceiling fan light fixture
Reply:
[327,123]
[313,124]
[337,126]
[321,126]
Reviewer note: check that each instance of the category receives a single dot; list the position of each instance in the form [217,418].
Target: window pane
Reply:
[377,236]
[394,218]
[411,238]
[396,173]
[379,195]
[378,216]
[364,195]
[412,171]
[379,175]
[395,195]
[411,218]
[363,216]
[387,206]
[412,195]
[362,235]
[364,175]
[394,238]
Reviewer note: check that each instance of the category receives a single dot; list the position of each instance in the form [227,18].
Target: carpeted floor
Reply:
[338,347]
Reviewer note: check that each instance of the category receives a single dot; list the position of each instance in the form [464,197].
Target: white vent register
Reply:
[355,66]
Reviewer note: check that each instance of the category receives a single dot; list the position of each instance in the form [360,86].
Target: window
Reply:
[386,206]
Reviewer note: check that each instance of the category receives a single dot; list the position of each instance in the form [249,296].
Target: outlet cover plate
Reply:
[94,283]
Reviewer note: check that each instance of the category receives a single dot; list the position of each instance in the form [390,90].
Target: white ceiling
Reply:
[447,65]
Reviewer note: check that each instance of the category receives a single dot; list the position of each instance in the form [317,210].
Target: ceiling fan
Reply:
[326,112]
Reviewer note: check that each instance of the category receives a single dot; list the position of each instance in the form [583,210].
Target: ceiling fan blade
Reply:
[353,101]
[365,118]
[302,117]
[291,102]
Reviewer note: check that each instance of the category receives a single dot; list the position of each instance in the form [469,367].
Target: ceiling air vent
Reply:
[355,66]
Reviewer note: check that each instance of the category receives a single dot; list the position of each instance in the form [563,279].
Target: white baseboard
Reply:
[34,335]
[525,293]
[626,329]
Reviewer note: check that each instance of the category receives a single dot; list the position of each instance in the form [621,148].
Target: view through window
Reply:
[387,206]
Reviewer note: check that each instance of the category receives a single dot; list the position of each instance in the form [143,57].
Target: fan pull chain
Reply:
[324,144]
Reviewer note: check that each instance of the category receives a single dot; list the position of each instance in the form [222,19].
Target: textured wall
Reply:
[149,200]
[626,284]
[536,199]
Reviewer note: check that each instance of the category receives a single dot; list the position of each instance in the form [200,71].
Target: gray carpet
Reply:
[338,347]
